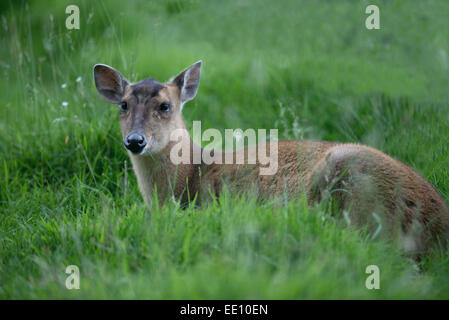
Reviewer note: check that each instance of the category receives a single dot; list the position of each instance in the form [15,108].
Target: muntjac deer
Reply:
[366,184]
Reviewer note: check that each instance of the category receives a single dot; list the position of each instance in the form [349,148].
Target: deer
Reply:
[365,184]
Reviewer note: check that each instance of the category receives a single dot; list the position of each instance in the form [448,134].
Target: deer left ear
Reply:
[110,83]
[188,82]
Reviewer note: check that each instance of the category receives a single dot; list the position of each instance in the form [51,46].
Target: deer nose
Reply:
[135,143]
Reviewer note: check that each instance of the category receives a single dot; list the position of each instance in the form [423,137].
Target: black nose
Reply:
[135,143]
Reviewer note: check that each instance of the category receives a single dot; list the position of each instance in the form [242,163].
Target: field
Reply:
[311,69]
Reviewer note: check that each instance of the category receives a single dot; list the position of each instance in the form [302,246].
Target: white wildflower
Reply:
[59,120]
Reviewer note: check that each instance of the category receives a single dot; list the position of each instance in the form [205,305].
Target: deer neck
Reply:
[157,173]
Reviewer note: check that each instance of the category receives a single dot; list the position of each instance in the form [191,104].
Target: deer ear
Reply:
[188,82]
[110,83]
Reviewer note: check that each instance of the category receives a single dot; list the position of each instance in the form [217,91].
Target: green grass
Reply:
[310,69]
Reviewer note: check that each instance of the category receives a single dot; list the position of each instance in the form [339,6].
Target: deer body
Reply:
[367,185]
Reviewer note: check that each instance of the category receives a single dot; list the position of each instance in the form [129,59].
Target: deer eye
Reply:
[123,106]
[164,107]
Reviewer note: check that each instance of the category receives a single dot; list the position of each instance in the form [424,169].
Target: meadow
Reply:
[68,195]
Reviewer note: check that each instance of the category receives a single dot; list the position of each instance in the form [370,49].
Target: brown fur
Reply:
[364,182]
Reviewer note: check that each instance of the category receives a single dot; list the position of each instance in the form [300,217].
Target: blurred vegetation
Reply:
[309,68]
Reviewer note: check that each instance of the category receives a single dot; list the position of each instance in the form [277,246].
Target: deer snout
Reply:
[135,143]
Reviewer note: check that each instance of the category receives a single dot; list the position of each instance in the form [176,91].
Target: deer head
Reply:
[149,110]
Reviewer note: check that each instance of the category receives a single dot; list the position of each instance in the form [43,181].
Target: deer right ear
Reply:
[188,81]
[110,83]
